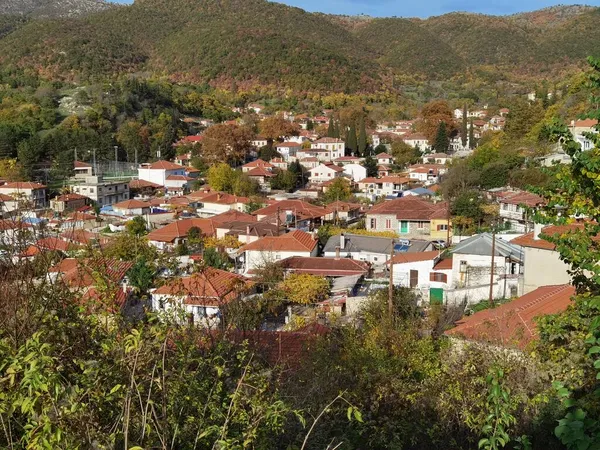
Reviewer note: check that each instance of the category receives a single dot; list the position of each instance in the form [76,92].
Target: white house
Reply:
[323,173]
[335,147]
[132,208]
[371,249]
[213,203]
[384,186]
[418,270]
[384,158]
[268,249]
[33,194]
[436,158]
[355,171]
[259,141]
[102,192]
[288,150]
[159,171]
[200,298]
[417,140]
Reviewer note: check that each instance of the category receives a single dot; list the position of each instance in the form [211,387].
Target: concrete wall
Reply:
[543,268]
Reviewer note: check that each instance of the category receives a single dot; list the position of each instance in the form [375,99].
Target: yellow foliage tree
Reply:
[305,289]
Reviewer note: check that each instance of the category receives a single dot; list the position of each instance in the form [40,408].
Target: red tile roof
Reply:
[164,165]
[140,184]
[70,197]
[288,144]
[301,208]
[81,165]
[443,264]
[233,216]
[11,224]
[343,206]
[179,178]
[383,155]
[220,198]
[586,123]
[520,198]
[410,208]
[84,273]
[527,240]
[326,267]
[6,198]
[297,241]
[258,163]
[513,324]
[131,204]
[20,185]
[260,172]
[211,287]
[180,229]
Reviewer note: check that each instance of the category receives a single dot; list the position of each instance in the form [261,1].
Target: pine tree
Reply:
[464,128]
[371,165]
[362,137]
[336,130]
[471,136]
[29,154]
[331,129]
[351,142]
[442,142]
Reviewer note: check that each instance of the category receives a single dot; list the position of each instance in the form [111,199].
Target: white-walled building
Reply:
[355,171]
[26,193]
[335,147]
[100,191]
[159,171]
[323,173]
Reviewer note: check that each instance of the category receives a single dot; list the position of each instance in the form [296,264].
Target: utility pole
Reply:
[75,150]
[491,298]
[391,287]
[448,243]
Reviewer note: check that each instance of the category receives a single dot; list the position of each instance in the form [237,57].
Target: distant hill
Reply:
[52,8]
[255,42]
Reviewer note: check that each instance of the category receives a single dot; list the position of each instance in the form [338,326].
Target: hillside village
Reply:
[348,224]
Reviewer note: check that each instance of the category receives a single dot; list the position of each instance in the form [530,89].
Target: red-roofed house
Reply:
[410,217]
[68,202]
[261,176]
[202,297]
[176,233]
[288,149]
[421,270]
[82,169]
[513,324]
[323,173]
[513,206]
[271,249]
[26,193]
[426,173]
[132,208]
[8,204]
[213,203]
[384,186]
[335,147]
[300,214]
[160,171]
[384,158]
[325,267]
[258,163]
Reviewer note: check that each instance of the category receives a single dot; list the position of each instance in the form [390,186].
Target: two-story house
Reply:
[100,191]
[410,217]
[514,209]
[27,194]
[384,186]
[336,148]
[164,173]
[324,172]
[288,150]
[266,250]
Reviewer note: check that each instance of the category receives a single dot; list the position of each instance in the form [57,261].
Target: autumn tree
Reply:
[305,289]
[432,115]
[339,189]
[275,127]
[226,142]
[522,117]
[404,154]
[134,138]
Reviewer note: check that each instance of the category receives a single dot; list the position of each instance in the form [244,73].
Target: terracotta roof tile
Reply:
[404,258]
[513,324]
[131,204]
[297,241]
[164,165]
[326,267]
[180,229]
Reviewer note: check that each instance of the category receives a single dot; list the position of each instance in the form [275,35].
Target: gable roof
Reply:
[233,215]
[296,241]
[83,273]
[140,184]
[131,204]
[327,166]
[406,258]
[260,172]
[513,323]
[6,198]
[411,208]
[211,287]
[257,163]
[481,244]
[325,267]
[81,165]
[302,209]
[528,240]
[383,155]
[69,197]
[358,243]
[343,206]
[164,165]
[19,185]
[180,229]
[179,178]
[220,198]
[520,198]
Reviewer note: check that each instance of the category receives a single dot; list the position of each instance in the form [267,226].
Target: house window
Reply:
[438,277]
[199,311]
[463,267]
[421,225]
[373,223]
[443,227]
[388,223]
[161,303]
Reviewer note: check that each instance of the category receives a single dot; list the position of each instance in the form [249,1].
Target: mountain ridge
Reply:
[255,42]
[53,8]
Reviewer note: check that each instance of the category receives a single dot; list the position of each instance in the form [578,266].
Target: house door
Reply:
[414,278]
[403,226]
[436,296]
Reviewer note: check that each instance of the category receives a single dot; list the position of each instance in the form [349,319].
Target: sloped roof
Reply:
[301,208]
[180,229]
[257,163]
[211,287]
[297,241]
[81,165]
[329,140]
[260,172]
[220,198]
[164,165]
[358,243]
[528,240]
[69,197]
[411,208]
[179,178]
[343,206]
[520,198]
[131,204]
[326,267]
[20,185]
[481,244]
[233,215]
[383,155]
[513,324]
[82,273]
[405,258]
[6,198]
[140,184]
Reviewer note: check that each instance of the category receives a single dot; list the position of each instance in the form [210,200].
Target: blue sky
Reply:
[421,8]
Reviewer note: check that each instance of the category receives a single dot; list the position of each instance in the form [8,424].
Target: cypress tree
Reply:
[463,130]
[441,140]
[362,137]
[471,136]
[330,129]
[336,130]
[351,143]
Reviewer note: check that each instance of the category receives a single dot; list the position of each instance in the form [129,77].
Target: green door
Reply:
[403,226]
[436,296]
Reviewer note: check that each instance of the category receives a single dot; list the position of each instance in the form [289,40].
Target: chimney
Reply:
[342,241]
[337,253]
[537,229]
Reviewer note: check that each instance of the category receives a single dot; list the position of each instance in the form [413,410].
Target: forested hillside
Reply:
[52,8]
[257,42]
